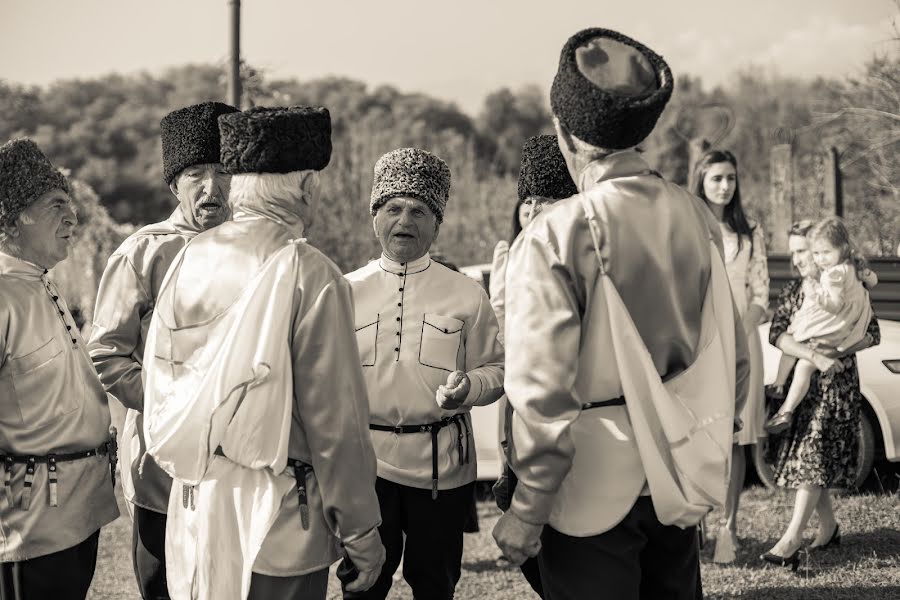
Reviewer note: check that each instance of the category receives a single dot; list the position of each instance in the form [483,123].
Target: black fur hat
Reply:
[190,136]
[276,140]
[609,89]
[543,171]
[25,175]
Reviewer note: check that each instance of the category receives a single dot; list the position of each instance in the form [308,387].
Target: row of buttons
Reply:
[62,314]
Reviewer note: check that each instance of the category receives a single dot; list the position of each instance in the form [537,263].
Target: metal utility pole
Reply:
[234,60]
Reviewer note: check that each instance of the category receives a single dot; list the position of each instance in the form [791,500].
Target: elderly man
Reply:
[54,418]
[125,301]
[252,343]
[429,349]
[598,496]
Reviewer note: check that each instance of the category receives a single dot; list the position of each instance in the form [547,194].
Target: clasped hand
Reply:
[451,395]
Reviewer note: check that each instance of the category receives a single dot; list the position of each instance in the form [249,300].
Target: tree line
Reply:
[105,132]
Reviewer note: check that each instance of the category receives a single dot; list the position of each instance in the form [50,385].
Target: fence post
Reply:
[781,196]
[834,189]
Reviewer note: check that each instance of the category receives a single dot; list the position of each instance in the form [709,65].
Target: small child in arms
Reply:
[834,315]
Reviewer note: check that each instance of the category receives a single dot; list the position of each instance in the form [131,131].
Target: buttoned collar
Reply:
[16,267]
[407,268]
[618,164]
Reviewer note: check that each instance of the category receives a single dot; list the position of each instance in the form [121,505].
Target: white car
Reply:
[879,382]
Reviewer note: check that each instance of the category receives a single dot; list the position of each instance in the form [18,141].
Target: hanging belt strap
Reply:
[301,470]
[52,461]
[620,401]
[433,428]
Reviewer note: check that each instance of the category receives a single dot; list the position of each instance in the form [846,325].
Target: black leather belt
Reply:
[433,428]
[109,449]
[301,470]
[620,401]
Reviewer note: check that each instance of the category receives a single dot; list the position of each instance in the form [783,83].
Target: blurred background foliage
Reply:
[105,131]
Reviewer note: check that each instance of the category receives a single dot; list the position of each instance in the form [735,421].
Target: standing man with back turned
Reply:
[589,431]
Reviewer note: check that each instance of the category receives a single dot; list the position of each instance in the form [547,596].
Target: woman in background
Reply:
[715,180]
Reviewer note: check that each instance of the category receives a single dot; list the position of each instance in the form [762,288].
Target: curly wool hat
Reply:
[190,136]
[414,173]
[276,140]
[609,89]
[543,171]
[25,175]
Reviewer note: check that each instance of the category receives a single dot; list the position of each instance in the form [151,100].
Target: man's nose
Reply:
[70,217]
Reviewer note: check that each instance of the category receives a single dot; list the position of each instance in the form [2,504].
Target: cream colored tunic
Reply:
[415,324]
[658,251]
[329,414]
[125,301]
[50,402]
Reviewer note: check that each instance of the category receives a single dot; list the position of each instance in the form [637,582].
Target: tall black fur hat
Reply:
[190,136]
[543,171]
[609,89]
[411,172]
[276,140]
[25,175]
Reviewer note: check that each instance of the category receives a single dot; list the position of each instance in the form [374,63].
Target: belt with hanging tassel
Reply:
[109,449]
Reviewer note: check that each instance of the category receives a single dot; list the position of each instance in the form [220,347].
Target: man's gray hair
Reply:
[272,187]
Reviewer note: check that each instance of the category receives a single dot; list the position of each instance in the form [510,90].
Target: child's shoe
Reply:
[780,422]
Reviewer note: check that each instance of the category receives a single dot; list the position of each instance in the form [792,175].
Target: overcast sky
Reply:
[452,49]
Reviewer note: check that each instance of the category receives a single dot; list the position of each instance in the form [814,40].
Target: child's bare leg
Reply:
[785,364]
[799,386]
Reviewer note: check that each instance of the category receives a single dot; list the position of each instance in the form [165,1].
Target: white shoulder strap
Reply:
[594,226]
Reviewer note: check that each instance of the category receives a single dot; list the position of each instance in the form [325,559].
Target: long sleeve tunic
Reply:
[658,253]
[51,402]
[416,323]
[125,302]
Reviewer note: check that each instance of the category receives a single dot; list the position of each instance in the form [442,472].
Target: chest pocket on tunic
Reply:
[29,378]
[441,338]
[366,338]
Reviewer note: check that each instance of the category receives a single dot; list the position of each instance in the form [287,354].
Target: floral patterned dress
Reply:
[820,447]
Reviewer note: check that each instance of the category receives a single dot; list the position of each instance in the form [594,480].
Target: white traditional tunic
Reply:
[254,312]
[416,323]
[656,241]
[50,402]
[125,301]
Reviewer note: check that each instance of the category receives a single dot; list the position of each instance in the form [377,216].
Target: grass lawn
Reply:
[865,566]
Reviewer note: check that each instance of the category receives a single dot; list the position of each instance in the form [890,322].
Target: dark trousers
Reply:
[432,556]
[148,544]
[638,559]
[63,575]
[312,586]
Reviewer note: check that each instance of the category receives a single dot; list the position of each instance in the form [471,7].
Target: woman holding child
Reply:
[818,449]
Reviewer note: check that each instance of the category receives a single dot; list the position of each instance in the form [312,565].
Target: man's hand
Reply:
[451,395]
[517,539]
[365,579]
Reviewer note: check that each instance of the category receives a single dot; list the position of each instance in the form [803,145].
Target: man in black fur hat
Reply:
[54,415]
[125,301]
[260,323]
[598,500]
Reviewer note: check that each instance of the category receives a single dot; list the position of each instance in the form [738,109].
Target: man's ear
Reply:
[174,186]
[10,230]
[437,230]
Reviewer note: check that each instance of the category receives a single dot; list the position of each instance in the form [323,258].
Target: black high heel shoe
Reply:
[834,540]
[792,561]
